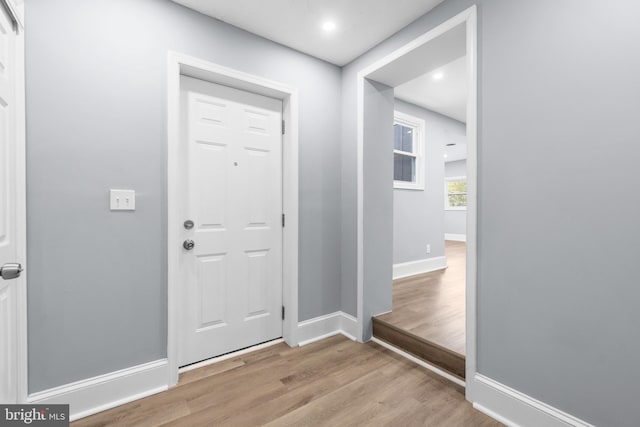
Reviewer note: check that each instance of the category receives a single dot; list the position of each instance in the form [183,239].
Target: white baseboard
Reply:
[326,326]
[455,237]
[93,395]
[412,268]
[516,409]
[97,394]
[349,326]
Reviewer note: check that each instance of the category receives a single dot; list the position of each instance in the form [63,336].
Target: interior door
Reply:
[9,239]
[231,161]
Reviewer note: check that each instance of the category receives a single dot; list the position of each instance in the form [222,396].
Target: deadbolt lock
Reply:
[188,224]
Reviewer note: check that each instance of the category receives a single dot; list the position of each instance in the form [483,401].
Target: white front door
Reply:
[231,167]
[9,237]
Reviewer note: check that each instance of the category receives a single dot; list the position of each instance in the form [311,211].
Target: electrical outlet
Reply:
[123,200]
[428,249]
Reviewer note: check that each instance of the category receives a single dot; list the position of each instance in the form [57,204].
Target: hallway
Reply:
[333,382]
[432,305]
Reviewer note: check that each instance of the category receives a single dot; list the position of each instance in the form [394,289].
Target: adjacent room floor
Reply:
[333,382]
[432,305]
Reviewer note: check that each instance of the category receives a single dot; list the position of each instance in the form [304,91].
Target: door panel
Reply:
[4,174]
[8,209]
[212,284]
[231,150]
[257,267]
[209,163]
[7,144]
[257,188]
[7,343]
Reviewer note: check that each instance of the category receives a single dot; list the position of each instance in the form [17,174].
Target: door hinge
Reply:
[283,220]
[283,127]
[283,312]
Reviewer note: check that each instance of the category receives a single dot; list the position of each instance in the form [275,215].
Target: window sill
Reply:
[407,186]
[455,209]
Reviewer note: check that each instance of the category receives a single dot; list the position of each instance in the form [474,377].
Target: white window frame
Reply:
[418,126]
[447,180]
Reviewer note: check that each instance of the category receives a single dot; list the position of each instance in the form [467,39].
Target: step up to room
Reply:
[426,350]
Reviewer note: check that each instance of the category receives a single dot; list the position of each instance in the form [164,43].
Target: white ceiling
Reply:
[447,96]
[429,56]
[412,77]
[361,24]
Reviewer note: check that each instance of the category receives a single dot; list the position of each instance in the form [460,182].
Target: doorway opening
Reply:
[418,132]
[429,215]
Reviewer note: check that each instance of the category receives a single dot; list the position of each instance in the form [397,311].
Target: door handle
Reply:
[188,244]
[10,270]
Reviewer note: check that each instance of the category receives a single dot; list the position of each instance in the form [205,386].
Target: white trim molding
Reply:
[97,394]
[326,326]
[421,266]
[515,409]
[455,237]
[468,18]
[348,326]
[180,64]
[16,10]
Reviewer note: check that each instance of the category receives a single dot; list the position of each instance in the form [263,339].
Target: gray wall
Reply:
[418,216]
[96,108]
[378,200]
[455,222]
[559,98]
[349,205]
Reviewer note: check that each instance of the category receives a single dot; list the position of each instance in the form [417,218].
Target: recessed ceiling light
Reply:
[445,156]
[438,76]
[329,26]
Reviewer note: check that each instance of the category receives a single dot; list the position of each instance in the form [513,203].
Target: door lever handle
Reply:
[10,271]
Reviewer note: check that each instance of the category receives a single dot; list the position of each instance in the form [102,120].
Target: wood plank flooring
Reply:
[432,305]
[426,350]
[333,382]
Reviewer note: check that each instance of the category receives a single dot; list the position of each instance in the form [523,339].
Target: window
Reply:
[408,146]
[455,193]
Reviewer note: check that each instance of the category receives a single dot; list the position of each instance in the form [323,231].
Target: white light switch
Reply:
[123,200]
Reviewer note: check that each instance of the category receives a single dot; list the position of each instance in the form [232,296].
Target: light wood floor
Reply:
[432,305]
[333,382]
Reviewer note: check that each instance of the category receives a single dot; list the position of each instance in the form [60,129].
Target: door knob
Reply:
[188,244]
[10,271]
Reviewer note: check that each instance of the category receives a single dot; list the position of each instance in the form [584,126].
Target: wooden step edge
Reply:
[444,358]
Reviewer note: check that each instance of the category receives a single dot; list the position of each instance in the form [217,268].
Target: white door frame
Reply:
[15,10]
[469,18]
[180,64]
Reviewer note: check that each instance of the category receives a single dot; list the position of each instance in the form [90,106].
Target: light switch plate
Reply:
[123,200]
